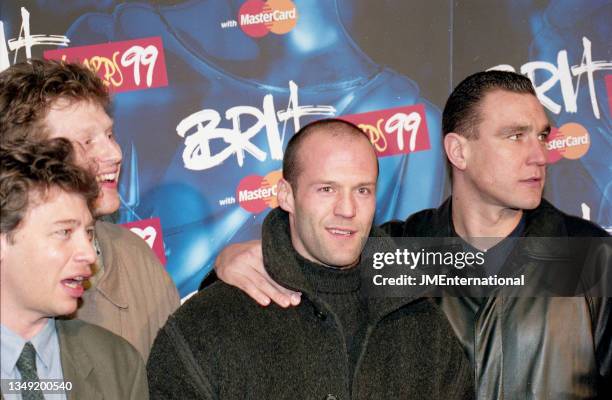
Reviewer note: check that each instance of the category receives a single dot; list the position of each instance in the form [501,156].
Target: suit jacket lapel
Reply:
[77,367]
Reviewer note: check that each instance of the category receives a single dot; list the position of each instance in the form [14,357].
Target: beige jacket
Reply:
[100,365]
[135,295]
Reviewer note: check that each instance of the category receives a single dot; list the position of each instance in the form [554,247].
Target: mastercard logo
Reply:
[256,193]
[570,141]
[257,18]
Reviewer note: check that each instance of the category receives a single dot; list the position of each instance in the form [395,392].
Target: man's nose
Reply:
[538,153]
[110,152]
[85,251]
[345,206]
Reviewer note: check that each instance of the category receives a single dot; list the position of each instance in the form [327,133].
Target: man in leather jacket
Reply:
[521,347]
[495,131]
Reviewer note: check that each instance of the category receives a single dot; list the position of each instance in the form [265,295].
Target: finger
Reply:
[271,289]
[253,292]
[282,296]
[262,285]
[296,298]
[277,296]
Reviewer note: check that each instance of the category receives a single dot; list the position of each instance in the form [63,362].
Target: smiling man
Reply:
[338,344]
[88,125]
[131,294]
[46,254]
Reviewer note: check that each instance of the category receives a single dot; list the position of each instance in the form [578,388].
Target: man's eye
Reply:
[64,233]
[325,189]
[91,234]
[364,191]
[543,137]
[515,136]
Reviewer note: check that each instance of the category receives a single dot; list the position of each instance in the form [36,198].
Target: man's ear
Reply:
[457,149]
[285,196]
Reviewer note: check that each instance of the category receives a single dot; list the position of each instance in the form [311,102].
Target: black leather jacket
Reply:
[530,347]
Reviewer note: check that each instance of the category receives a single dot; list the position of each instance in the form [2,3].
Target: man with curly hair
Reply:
[46,254]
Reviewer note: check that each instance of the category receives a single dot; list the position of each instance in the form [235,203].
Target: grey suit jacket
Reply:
[100,364]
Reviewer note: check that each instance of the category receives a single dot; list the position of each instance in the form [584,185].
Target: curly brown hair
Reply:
[28,89]
[28,167]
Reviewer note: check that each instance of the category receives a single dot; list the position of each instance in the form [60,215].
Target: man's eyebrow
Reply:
[72,222]
[330,182]
[512,129]
[366,183]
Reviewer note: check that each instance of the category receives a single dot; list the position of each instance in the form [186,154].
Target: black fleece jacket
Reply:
[222,345]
